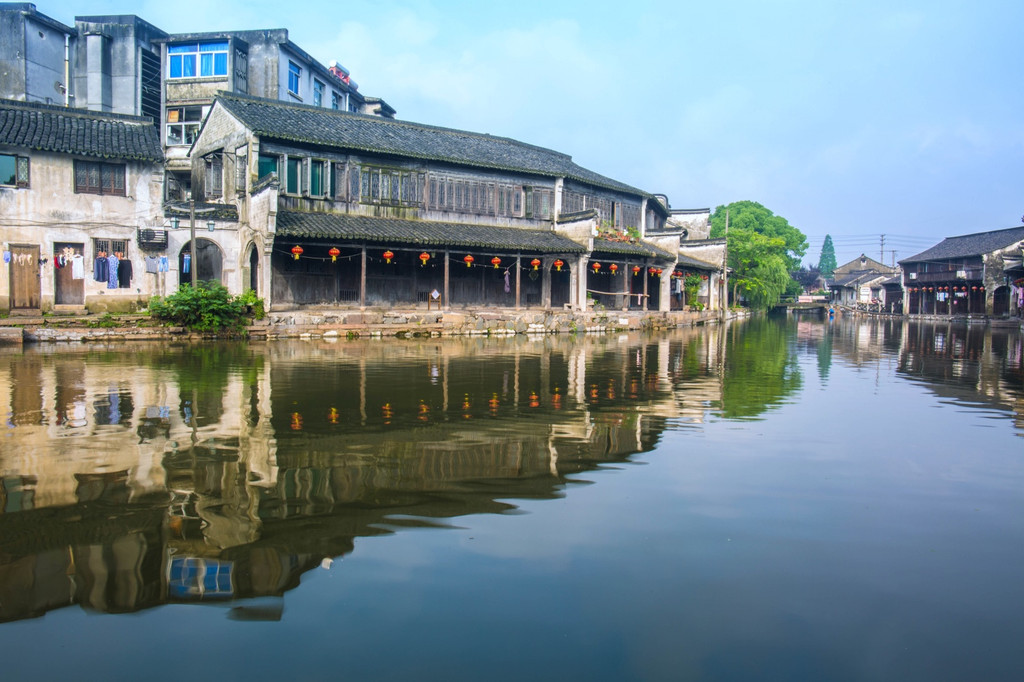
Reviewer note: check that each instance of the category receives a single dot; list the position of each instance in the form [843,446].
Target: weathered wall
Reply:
[49,212]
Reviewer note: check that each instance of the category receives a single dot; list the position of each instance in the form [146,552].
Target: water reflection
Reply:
[224,472]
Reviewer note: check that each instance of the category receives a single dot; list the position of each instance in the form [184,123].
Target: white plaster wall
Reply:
[49,211]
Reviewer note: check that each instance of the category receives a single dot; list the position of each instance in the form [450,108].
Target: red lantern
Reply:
[535,263]
[495,262]
[636,270]
[651,271]
[659,271]
[424,257]
[334,253]
[614,268]
[558,264]
[468,260]
[974,288]
[677,274]
[704,277]
[297,251]
[388,255]
[596,266]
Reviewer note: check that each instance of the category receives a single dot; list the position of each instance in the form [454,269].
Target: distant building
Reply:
[861,283]
[973,274]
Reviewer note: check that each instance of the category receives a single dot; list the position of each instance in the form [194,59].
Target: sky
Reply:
[853,119]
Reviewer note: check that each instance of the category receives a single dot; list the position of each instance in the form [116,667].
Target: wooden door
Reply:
[68,290]
[25,294]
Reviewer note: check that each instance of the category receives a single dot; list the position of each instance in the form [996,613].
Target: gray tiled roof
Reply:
[694,263]
[358,132]
[975,244]
[50,128]
[641,249]
[391,230]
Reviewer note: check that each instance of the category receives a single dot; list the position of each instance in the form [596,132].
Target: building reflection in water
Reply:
[130,480]
[223,473]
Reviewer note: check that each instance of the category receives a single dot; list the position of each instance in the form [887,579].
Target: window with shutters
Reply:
[214,175]
[388,186]
[92,177]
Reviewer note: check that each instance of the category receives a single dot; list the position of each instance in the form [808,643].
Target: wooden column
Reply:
[519,276]
[444,303]
[647,278]
[362,277]
[545,285]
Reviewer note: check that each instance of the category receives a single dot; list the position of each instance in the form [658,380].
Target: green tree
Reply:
[827,263]
[763,249]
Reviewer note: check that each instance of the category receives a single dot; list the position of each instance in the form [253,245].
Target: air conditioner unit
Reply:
[912,275]
[962,274]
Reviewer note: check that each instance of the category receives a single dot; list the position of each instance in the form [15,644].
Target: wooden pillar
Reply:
[647,278]
[444,303]
[545,285]
[362,277]
[519,278]
[624,286]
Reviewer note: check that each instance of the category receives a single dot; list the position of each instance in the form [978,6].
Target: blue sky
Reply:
[853,119]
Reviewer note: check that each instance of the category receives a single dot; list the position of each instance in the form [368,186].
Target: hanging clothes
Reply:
[100,269]
[124,273]
[186,263]
[152,264]
[7,256]
[112,262]
[164,265]
[77,267]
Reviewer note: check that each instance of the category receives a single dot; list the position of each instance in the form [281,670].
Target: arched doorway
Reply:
[254,269]
[209,262]
[1001,301]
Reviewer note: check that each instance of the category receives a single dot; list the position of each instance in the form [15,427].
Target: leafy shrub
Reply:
[253,304]
[208,307]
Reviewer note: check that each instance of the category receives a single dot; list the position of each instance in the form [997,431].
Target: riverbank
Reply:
[333,323]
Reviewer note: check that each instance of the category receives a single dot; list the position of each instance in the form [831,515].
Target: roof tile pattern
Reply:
[975,244]
[383,230]
[359,132]
[76,131]
[642,249]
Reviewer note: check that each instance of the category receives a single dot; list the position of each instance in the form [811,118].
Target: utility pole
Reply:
[881,250]
[725,270]
[192,238]
[893,257]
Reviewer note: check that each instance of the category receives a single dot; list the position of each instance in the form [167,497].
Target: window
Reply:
[293,179]
[105,247]
[183,125]
[318,93]
[197,60]
[267,165]
[13,170]
[214,175]
[335,101]
[294,72]
[388,186]
[319,179]
[92,177]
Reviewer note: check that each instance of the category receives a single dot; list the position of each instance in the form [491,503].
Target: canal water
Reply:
[773,499]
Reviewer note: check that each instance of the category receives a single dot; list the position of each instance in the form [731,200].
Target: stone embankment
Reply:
[317,323]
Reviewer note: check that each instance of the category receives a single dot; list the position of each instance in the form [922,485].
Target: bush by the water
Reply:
[208,307]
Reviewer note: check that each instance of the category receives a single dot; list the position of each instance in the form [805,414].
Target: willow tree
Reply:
[763,249]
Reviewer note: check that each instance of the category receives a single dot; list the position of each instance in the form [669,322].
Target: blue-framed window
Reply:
[294,72]
[197,60]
